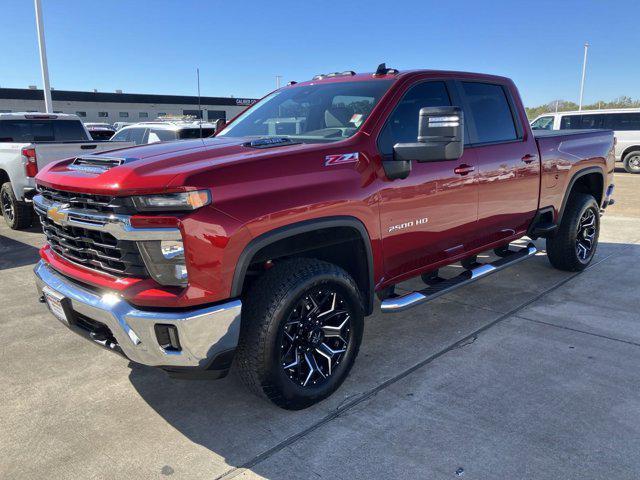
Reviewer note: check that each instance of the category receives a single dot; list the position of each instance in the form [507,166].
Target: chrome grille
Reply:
[100,203]
[89,247]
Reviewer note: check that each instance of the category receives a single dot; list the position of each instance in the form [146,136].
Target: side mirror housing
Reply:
[440,136]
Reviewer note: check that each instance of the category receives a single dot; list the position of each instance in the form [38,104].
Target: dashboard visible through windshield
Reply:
[311,113]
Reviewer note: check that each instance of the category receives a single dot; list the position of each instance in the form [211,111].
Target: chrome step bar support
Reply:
[404,302]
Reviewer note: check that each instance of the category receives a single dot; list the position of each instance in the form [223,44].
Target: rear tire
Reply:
[573,246]
[631,162]
[18,215]
[306,314]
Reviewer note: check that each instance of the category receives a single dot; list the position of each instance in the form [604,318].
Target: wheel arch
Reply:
[628,150]
[344,228]
[589,180]
[4,176]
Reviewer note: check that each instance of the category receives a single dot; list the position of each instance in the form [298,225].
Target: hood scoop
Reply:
[97,163]
[270,142]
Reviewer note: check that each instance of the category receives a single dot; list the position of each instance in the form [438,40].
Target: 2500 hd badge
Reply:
[412,223]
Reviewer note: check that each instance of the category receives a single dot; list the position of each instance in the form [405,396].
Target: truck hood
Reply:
[155,167]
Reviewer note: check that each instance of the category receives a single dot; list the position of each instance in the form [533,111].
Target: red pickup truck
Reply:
[267,245]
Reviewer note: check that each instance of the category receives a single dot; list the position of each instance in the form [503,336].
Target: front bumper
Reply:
[208,336]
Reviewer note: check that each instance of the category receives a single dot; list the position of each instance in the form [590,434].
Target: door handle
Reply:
[528,158]
[463,169]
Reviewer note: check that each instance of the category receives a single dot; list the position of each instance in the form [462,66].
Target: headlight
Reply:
[165,261]
[165,202]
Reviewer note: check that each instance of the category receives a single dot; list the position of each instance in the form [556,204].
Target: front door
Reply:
[430,215]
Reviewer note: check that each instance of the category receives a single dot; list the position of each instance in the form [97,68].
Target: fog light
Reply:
[167,336]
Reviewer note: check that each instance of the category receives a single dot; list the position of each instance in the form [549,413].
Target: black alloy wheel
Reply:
[315,337]
[585,238]
[7,206]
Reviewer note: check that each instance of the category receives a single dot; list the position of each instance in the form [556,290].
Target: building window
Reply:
[123,114]
[162,114]
[81,114]
[103,114]
[5,111]
[213,115]
[143,115]
[57,111]
[193,113]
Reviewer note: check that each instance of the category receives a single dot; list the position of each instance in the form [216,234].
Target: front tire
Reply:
[302,325]
[573,246]
[631,162]
[17,214]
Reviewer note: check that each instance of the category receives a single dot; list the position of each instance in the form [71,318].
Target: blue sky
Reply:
[154,46]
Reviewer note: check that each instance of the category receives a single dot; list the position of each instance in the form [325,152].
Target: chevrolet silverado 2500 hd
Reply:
[266,245]
[28,142]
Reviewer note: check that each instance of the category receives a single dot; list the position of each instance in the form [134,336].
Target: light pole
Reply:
[48,106]
[584,72]
[278,80]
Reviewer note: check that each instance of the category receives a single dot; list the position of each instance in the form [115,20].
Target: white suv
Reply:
[163,131]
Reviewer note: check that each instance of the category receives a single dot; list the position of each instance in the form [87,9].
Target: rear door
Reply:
[508,172]
[430,215]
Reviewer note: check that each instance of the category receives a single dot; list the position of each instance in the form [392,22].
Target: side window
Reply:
[158,135]
[137,135]
[592,121]
[568,122]
[490,111]
[121,136]
[543,123]
[623,121]
[402,124]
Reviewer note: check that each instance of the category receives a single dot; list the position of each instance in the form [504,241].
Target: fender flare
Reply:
[574,179]
[272,236]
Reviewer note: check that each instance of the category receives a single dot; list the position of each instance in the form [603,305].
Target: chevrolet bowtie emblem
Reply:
[56,215]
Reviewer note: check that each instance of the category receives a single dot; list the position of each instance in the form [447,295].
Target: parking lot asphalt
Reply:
[530,373]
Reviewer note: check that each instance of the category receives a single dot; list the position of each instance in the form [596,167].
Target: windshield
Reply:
[310,113]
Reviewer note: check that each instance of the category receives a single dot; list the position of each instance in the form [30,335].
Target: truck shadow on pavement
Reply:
[233,424]
[16,254]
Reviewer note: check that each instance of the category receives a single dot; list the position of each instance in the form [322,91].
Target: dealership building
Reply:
[121,107]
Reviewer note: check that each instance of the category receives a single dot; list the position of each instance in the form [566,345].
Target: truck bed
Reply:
[565,152]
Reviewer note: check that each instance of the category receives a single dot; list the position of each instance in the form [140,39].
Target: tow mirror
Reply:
[440,136]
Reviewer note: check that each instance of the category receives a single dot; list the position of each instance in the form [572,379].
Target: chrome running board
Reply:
[441,286]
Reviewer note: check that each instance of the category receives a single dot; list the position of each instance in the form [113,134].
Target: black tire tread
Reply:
[260,308]
[561,247]
[23,212]
[625,161]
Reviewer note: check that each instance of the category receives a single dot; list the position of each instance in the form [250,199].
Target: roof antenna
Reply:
[383,70]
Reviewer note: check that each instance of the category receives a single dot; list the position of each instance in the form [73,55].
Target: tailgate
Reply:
[51,152]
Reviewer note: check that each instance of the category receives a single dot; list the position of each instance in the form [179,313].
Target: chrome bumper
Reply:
[204,333]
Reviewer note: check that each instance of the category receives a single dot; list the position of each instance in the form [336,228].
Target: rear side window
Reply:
[41,131]
[402,125]
[195,133]
[581,122]
[490,111]
[569,122]
[158,135]
[623,121]
[135,135]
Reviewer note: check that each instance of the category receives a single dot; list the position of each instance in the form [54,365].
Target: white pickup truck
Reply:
[28,142]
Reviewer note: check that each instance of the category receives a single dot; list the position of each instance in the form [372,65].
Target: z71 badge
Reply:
[331,160]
